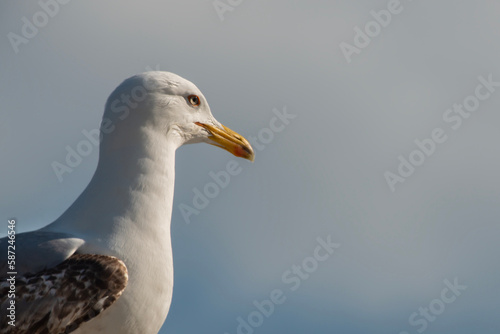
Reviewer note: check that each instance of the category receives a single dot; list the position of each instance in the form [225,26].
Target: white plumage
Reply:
[123,215]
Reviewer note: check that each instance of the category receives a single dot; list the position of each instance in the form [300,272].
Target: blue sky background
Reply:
[323,175]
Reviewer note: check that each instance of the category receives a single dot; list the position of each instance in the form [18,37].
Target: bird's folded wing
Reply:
[61,298]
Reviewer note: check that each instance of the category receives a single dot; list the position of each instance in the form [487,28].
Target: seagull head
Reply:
[169,105]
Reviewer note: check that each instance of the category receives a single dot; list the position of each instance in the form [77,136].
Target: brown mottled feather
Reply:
[59,299]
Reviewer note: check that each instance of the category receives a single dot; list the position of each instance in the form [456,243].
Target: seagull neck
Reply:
[131,191]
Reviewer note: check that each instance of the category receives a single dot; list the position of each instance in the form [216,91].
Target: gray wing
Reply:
[60,299]
[37,250]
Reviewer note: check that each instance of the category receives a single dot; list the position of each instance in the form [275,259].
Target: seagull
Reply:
[105,265]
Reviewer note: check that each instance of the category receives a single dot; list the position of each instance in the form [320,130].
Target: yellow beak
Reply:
[230,141]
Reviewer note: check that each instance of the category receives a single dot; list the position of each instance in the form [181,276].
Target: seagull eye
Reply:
[194,100]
